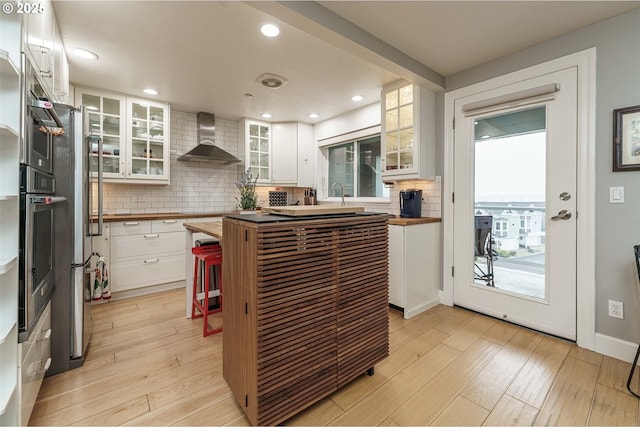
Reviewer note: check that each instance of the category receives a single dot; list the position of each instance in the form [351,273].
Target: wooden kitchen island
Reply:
[305,308]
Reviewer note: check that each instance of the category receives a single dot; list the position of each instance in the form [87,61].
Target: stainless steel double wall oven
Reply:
[37,202]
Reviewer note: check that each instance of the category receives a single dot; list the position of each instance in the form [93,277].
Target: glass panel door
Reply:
[147,139]
[399,152]
[514,249]
[104,115]
[510,208]
[259,152]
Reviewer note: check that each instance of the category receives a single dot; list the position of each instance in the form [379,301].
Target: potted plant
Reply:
[248,198]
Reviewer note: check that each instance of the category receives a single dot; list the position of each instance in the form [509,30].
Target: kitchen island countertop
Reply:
[213,228]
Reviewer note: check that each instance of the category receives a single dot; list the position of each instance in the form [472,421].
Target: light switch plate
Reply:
[616,194]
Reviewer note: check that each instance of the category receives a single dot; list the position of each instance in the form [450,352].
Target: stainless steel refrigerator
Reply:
[71,311]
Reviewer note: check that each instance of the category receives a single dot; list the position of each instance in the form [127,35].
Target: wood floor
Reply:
[149,365]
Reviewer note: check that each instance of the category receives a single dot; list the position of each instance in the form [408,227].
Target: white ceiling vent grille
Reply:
[271,81]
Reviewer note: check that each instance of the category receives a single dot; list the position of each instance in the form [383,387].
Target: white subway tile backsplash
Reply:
[195,186]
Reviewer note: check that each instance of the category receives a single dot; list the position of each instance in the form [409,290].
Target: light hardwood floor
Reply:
[149,365]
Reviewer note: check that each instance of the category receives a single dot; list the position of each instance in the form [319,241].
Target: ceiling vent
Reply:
[271,81]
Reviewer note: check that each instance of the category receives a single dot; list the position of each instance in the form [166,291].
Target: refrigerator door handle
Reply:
[100,182]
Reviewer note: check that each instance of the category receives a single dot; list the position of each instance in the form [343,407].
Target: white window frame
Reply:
[355,136]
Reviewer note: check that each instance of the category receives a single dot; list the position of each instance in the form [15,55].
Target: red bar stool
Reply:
[210,256]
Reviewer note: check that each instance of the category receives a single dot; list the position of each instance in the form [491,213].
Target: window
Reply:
[525,224]
[501,228]
[357,166]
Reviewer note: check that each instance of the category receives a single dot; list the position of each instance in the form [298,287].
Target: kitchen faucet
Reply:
[341,190]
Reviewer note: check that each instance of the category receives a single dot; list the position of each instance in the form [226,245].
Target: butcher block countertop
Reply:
[413,221]
[213,229]
[151,216]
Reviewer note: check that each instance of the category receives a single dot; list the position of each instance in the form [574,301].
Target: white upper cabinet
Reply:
[278,153]
[408,132]
[40,34]
[284,150]
[134,134]
[45,49]
[306,150]
[255,137]
[60,67]
[148,136]
[106,122]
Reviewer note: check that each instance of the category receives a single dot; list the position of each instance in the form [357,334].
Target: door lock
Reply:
[563,214]
[564,196]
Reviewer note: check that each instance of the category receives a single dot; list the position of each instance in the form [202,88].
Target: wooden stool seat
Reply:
[207,256]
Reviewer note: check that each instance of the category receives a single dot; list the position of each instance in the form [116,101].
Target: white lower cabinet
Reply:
[414,267]
[149,271]
[35,360]
[146,253]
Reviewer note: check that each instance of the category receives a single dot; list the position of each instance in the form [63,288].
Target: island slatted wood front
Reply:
[305,310]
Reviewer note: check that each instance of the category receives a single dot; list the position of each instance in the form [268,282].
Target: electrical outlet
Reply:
[616,309]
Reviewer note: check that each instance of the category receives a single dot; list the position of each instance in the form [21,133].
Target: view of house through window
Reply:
[357,166]
[510,169]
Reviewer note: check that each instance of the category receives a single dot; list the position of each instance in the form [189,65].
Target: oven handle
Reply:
[47,200]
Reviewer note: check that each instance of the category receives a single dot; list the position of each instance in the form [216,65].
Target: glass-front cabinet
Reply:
[149,135]
[134,134]
[258,149]
[105,114]
[408,131]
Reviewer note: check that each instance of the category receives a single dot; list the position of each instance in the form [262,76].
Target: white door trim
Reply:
[585,61]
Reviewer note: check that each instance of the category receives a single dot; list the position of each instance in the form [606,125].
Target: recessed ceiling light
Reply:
[92,108]
[266,115]
[270,30]
[150,91]
[314,115]
[84,53]
[357,98]
[485,136]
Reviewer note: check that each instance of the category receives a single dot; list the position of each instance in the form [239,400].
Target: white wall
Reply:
[361,118]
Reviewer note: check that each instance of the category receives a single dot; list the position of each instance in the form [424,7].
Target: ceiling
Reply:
[207,55]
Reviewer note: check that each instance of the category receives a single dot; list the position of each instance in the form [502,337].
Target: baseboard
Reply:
[445,298]
[408,314]
[604,344]
[615,347]
[115,296]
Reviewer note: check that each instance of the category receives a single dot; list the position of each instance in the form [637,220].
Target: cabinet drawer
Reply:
[128,228]
[148,245]
[167,225]
[146,272]
[36,359]
[39,341]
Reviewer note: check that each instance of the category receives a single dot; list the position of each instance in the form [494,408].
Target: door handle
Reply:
[563,214]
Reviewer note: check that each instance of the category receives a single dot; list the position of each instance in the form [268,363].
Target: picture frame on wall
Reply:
[626,139]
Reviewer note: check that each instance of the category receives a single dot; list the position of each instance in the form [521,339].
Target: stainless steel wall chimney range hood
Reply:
[206,150]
